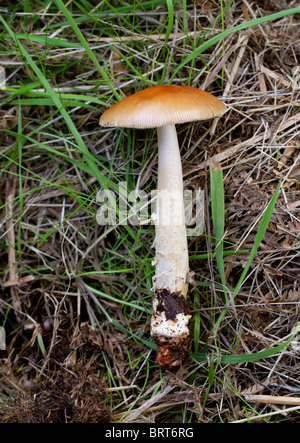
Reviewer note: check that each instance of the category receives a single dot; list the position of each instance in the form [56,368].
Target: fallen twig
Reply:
[10,194]
[273,399]
[18,281]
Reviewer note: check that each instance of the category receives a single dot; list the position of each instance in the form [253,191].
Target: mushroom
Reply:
[162,107]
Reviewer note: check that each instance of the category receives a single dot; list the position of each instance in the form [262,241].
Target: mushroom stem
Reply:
[169,322]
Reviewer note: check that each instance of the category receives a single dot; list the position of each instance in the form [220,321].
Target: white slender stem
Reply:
[170,240]
[169,322]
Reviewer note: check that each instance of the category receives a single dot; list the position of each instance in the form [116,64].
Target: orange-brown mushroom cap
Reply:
[163,105]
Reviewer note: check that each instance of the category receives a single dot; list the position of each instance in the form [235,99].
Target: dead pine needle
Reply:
[10,237]
[273,399]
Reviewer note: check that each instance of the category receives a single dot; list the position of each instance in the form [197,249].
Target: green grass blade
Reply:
[44,40]
[86,46]
[42,98]
[120,301]
[114,322]
[119,11]
[245,358]
[170,18]
[49,102]
[212,41]
[94,171]
[218,216]
[259,237]
[41,344]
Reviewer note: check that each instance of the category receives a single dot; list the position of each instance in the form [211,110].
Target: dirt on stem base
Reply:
[171,315]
